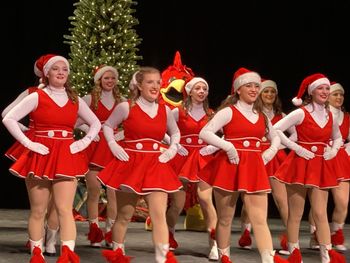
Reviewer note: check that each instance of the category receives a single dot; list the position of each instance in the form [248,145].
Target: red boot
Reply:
[116,256]
[295,257]
[172,242]
[225,259]
[245,240]
[95,235]
[68,256]
[170,258]
[338,240]
[37,256]
[336,257]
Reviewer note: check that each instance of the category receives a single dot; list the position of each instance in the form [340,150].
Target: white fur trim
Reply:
[52,61]
[268,83]
[317,83]
[103,70]
[297,101]
[192,82]
[336,87]
[246,78]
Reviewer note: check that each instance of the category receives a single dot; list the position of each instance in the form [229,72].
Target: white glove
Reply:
[35,147]
[23,127]
[302,152]
[207,150]
[119,136]
[79,145]
[167,155]
[97,138]
[182,150]
[232,155]
[329,154]
[268,155]
[118,151]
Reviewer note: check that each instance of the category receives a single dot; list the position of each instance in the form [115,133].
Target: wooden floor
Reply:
[192,245]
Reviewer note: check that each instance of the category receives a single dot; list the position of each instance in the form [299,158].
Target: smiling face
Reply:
[150,85]
[249,92]
[108,81]
[336,99]
[320,94]
[58,74]
[268,96]
[199,92]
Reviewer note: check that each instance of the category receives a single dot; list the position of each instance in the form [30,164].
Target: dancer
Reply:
[340,194]
[102,101]
[191,157]
[270,104]
[141,165]
[239,167]
[52,160]
[15,151]
[310,169]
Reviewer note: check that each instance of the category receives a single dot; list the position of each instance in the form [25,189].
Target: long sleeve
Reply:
[120,113]
[86,114]
[208,132]
[172,129]
[15,102]
[22,109]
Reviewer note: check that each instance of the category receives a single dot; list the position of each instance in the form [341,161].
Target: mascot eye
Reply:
[171,79]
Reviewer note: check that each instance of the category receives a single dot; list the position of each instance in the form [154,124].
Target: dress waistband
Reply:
[54,134]
[144,145]
[251,144]
[192,140]
[318,148]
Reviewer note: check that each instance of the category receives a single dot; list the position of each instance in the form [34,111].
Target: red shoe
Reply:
[295,257]
[284,245]
[336,257]
[116,256]
[225,259]
[68,256]
[245,241]
[108,239]
[37,256]
[172,242]
[338,240]
[170,258]
[95,235]
[148,224]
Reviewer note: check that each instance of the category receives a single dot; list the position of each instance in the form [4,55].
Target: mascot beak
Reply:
[172,94]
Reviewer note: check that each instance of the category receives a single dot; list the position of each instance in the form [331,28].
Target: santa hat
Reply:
[133,81]
[336,87]
[99,71]
[243,76]
[268,83]
[310,83]
[192,82]
[44,63]
[38,69]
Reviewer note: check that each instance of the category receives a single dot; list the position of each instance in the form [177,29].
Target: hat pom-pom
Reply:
[297,101]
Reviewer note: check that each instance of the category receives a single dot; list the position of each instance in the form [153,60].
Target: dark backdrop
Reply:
[282,40]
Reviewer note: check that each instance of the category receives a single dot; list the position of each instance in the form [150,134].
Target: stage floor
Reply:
[192,245]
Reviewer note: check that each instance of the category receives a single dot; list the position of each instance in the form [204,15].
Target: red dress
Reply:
[187,167]
[342,160]
[53,128]
[15,151]
[316,172]
[142,173]
[99,153]
[249,175]
[281,155]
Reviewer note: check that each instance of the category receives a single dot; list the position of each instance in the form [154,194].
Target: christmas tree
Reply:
[102,32]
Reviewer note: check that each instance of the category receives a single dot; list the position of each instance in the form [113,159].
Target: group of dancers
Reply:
[137,147]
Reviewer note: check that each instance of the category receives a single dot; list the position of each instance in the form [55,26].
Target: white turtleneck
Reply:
[196,111]
[30,103]
[338,114]
[107,99]
[58,95]
[269,113]
[121,113]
